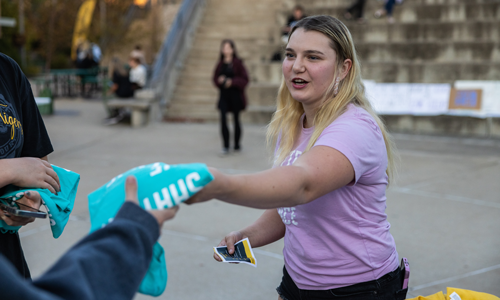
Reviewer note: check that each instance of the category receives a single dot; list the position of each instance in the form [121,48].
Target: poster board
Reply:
[490,102]
[465,99]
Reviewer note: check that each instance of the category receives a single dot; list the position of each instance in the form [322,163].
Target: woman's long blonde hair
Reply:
[285,121]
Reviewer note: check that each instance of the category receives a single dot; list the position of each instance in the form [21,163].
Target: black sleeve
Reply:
[110,263]
[36,139]
[115,78]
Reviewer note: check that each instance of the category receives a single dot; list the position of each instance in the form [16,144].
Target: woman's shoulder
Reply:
[238,62]
[356,116]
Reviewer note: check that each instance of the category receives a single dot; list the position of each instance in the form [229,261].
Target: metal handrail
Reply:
[171,55]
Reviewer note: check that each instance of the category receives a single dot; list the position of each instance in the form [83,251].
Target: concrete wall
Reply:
[444,125]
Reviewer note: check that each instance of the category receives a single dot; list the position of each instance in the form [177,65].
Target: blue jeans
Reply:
[386,287]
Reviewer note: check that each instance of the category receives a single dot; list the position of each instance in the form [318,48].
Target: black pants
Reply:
[387,287]
[10,247]
[389,6]
[225,130]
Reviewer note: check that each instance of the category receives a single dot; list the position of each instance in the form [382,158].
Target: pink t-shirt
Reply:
[343,238]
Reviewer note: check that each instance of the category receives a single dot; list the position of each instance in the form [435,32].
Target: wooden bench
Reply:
[140,110]
[140,106]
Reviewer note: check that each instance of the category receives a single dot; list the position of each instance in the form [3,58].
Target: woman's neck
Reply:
[309,117]
[228,59]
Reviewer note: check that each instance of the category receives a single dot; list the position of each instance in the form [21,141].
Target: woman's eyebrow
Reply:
[314,52]
[306,51]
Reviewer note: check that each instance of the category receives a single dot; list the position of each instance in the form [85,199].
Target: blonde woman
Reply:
[325,194]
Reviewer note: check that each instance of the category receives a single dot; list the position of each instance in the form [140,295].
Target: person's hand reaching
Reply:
[160,215]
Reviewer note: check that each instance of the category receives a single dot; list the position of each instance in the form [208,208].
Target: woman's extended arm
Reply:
[316,173]
[267,229]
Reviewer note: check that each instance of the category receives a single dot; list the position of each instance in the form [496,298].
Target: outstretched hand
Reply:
[32,172]
[31,199]
[160,215]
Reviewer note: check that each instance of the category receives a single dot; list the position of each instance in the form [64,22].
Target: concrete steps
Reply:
[429,72]
[416,51]
[411,12]
[311,4]
[467,31]
[266,72]
[433,41]
[250,25]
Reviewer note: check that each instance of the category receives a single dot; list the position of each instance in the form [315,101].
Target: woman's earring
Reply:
[336,87]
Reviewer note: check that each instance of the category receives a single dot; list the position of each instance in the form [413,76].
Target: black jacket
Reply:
[108,264]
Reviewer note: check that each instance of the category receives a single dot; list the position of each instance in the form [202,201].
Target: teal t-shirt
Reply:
[160,186]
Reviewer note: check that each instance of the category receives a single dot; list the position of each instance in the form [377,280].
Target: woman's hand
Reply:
[228,83]
[221,79]
[31,199]
[31,172]
[229,241]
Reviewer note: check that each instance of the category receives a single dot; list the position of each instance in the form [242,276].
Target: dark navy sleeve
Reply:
[110,263]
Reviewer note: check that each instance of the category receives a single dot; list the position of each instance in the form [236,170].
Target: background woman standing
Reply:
[231,78]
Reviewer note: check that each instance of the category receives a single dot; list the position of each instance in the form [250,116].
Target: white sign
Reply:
[7,22]
[408,98]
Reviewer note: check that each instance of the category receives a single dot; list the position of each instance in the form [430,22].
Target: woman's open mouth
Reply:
[299,83]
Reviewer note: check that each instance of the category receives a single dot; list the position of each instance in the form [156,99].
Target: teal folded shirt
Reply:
[160,186]
[58,206]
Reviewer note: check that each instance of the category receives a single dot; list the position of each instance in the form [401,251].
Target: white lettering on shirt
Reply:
[287,215]
[184,192]
[291,158]
[156,169]
[165,202]
[189,181]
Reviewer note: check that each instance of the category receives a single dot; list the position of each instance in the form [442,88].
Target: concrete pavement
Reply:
[444,207]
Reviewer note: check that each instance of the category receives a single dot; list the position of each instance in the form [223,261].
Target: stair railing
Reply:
[170,59]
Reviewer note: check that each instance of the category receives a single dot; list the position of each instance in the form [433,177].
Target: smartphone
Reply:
[23,211]
[406,266]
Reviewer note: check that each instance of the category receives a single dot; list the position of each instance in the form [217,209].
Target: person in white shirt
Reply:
[138,73]
[137,52]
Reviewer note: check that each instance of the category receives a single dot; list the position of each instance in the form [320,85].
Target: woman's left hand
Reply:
[32,199]
[221,79]
[228,83]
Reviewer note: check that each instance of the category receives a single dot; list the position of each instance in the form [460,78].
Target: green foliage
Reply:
[44,43]
[9,9]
